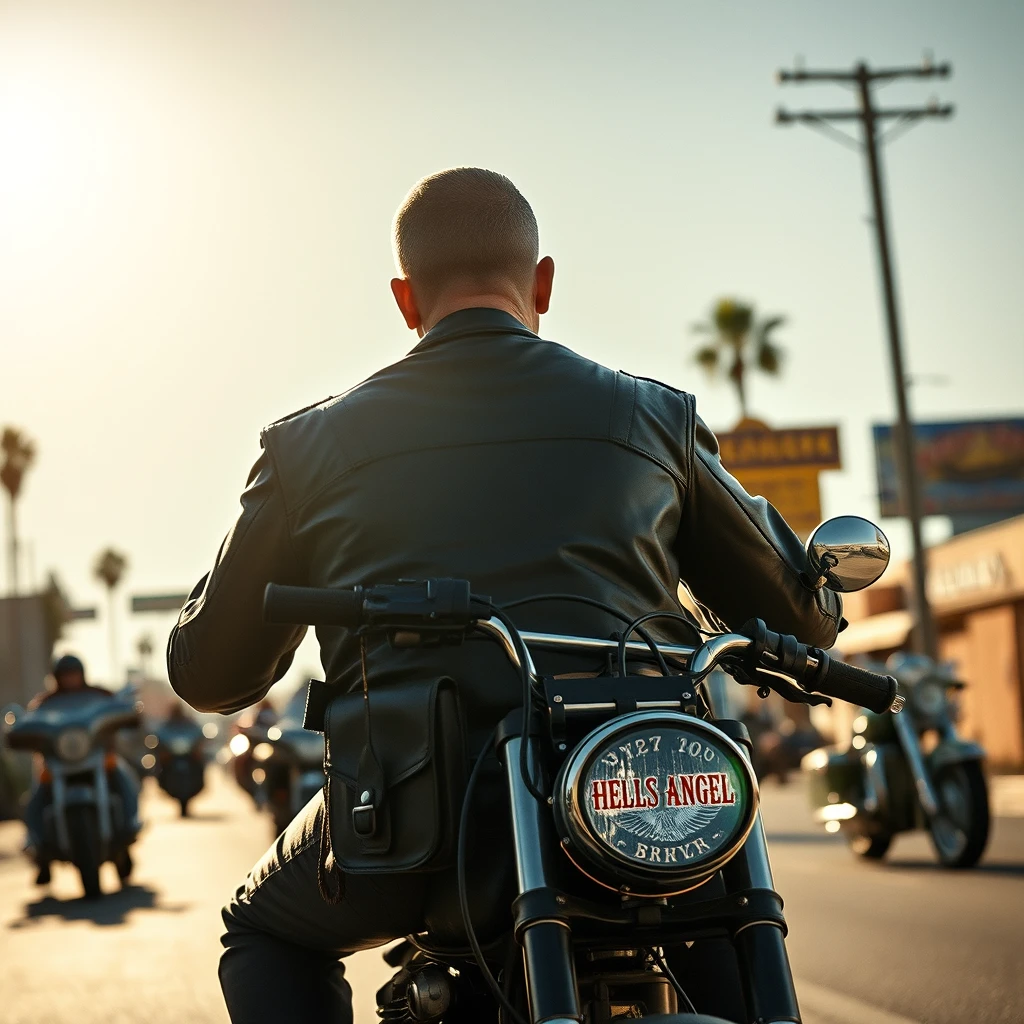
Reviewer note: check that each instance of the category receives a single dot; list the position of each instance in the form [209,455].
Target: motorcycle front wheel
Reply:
[960,830]
[84,837]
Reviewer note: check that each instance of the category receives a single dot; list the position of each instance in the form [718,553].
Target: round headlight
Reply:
[654,803]
[73,744]
[929,698]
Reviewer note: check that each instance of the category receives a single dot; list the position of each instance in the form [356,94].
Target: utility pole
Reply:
[862,78]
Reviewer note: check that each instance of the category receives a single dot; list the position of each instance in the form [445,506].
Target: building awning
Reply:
[876,633]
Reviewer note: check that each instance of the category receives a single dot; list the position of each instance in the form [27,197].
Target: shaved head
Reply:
[465,226]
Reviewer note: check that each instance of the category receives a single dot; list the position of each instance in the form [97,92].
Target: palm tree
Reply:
[733,328]
[18,454]
[109,568]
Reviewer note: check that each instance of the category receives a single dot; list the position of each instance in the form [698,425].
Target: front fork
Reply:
[911,744]
[548,959]
[547,942]
[60,801]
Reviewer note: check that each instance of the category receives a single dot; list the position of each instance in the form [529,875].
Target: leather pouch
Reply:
[396,776]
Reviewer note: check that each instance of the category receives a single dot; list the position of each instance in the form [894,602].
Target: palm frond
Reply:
[769,357]
[768,325]
[110,566]
[707,357]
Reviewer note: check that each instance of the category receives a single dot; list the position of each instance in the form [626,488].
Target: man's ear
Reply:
[401,288]
[543,278]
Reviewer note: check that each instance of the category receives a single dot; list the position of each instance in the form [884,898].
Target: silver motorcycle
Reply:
[83,814]
[906,772]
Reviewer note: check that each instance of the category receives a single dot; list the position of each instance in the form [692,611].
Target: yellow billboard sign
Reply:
[783,466]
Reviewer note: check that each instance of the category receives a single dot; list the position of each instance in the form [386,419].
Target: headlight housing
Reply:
[654,803]
[929,698]
[73,744]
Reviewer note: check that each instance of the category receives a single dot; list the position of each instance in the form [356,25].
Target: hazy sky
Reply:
[195,200]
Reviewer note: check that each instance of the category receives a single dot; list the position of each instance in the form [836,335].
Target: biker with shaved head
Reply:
[486,454]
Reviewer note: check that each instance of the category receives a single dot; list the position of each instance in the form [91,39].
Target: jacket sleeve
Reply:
[740,558]
[221,656]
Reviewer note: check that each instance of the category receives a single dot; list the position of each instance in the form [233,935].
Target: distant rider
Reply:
[69,678]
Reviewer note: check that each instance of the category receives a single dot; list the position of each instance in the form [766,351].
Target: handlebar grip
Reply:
[313,606]
[855,685]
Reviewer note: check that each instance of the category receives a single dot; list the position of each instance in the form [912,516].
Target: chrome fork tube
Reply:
[547,942]
[907,734]
[103,805]
[768,988]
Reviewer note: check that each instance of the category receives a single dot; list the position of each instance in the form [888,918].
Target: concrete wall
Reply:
[24,665]
[987,650]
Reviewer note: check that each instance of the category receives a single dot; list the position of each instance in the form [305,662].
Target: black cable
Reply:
[672,979]
[524,665]
[593,603]
[460,870]
[635,625]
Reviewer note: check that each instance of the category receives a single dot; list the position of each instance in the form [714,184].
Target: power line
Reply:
[862,79]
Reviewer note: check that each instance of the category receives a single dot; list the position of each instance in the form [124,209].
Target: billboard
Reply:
[972,467]
[783,466]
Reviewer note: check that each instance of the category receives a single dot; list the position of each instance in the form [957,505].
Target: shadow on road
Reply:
[111,909]
[984,868]
[802,837]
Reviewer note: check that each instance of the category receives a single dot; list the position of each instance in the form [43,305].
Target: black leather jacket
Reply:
[491,455]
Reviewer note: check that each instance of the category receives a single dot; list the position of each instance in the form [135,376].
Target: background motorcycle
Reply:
[84,820]
[248,733]
[292,759]
[181,760]
[907,772]
[636,845]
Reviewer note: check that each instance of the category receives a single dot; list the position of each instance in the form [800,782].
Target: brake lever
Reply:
[765,680]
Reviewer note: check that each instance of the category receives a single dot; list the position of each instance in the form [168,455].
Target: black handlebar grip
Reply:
[855,685]
[313,606]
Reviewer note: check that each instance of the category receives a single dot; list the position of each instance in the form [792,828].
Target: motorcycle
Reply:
[83,818]
[292,759]
[249,732]
[909,772]
[634,830]
[180,760]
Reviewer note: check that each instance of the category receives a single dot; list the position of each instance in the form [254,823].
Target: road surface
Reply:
[870,944]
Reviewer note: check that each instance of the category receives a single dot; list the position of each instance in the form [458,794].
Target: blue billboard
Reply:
[972,467]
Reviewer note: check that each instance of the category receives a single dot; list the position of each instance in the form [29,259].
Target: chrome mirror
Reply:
[846,554]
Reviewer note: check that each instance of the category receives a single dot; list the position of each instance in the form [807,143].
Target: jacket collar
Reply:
[469,322]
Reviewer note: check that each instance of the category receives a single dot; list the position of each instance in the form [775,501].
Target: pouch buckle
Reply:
[364,816]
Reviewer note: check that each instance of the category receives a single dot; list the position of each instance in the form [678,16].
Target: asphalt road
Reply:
[869,944]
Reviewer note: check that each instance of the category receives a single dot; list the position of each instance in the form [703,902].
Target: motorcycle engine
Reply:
[420,995]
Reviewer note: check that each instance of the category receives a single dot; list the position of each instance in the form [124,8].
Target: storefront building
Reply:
[976,588]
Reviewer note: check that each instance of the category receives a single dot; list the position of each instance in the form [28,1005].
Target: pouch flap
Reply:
[402,723]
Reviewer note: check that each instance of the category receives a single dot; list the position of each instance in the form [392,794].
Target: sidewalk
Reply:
[1007,793]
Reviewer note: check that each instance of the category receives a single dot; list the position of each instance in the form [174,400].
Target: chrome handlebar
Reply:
[699,660]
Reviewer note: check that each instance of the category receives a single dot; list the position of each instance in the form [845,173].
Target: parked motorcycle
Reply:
[634,831]
[181,759]
[293,761]
[83,816]
[907,772]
